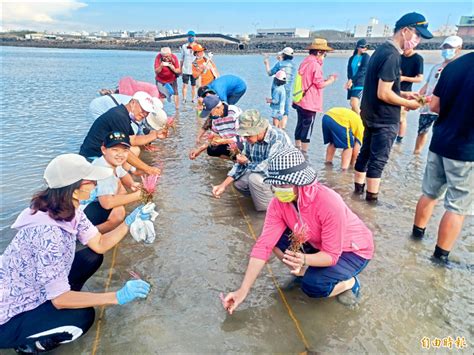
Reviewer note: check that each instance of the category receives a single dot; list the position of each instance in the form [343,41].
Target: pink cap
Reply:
[280,75]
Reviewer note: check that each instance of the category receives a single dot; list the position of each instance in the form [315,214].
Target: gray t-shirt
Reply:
[433,78]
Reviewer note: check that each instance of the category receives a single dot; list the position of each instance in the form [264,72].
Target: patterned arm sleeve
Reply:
[85,229]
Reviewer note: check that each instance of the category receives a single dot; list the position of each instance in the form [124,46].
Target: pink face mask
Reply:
[411,43]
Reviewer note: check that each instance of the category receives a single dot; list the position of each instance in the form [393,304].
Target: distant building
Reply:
[466,26]
[445,31]
[283,32]
[34,36]
[373,29]
[119,34]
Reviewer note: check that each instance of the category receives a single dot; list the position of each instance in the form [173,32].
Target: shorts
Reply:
[454,178]
[96,213]
[277,114]
[319,282]
[425,122]
[336,134]
[187,77]
[162,90]
[354,93]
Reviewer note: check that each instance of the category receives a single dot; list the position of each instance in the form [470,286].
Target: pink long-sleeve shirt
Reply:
[311,71]
[332,226]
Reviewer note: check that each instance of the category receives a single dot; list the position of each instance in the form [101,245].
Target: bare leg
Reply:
[176,101]
[342,286]
[449,230]
[346,158]
[276,122]
[355,153]
[373,185]
[304,147]
[193,92]
[298,144]
[355,105]
[117,215]
[359,177]
[420,142]
[330,151]
[403,123]
[284,120]
[424,210]
[185,91]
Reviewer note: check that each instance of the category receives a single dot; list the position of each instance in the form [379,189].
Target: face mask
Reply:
[448,53]
[190,39]
[132,116]
[411,43]
[284,194]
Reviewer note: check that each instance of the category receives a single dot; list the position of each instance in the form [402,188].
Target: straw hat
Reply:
[198,48]
[320,44]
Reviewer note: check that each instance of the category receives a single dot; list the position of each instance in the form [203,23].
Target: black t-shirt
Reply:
[453,131]
[384,64]
[410,66]
[115,119]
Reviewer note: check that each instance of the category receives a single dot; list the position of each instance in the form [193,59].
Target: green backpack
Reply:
[298,91]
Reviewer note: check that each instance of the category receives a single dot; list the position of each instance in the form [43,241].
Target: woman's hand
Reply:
[296,261]
[233,300]
[132,290]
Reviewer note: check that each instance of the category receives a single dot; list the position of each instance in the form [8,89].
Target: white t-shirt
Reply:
[187,56]
[102,104]
[110,185]
[431,82]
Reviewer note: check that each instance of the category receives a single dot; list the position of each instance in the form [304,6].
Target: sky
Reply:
[232,17]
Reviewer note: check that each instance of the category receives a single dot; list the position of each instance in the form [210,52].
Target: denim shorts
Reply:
[319,282]
[425,122]
[276,114]
[452,178]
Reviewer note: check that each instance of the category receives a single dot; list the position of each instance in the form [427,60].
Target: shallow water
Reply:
[203,243]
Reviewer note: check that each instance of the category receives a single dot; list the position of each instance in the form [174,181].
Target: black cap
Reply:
[115,138]
[415,20]
[362,43]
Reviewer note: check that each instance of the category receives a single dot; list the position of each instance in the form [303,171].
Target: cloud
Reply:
[36,14]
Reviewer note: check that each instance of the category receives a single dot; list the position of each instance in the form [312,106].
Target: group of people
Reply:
[307,225]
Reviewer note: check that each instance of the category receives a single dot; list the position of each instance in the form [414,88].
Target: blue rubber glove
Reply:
[137,211]
[133,289]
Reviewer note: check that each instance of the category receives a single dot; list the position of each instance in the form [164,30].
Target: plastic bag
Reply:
[144,231]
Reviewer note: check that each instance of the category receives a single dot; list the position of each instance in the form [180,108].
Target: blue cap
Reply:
[361,43]
[191,33]
[414,20]
[208,104]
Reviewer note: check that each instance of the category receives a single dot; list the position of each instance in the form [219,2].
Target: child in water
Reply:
[277,101]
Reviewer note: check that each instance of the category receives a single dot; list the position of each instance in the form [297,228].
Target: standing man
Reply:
[450,50]
[167,71]
[381,101]
[450,167]
[411,67]
[187,58]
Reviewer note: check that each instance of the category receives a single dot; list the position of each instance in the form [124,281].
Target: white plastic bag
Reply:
[144,230]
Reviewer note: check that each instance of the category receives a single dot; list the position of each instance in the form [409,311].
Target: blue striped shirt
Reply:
[258,154]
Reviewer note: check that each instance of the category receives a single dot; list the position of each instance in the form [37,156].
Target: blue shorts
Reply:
[336,134]
[319,282]
[276,114]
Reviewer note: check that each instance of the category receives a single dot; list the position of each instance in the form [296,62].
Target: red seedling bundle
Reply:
[149,187]
[298,237]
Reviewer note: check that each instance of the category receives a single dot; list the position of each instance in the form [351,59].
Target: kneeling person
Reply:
[106,209]
[343,128]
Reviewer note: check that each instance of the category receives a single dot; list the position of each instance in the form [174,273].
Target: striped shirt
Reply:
[259,153]
[226,127]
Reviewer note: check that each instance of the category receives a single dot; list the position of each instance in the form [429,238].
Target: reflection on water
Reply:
[203,243]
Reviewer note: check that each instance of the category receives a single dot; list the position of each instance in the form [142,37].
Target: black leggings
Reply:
[48,325]
[304,126]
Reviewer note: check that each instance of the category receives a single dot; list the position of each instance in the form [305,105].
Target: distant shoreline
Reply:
[342,48]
